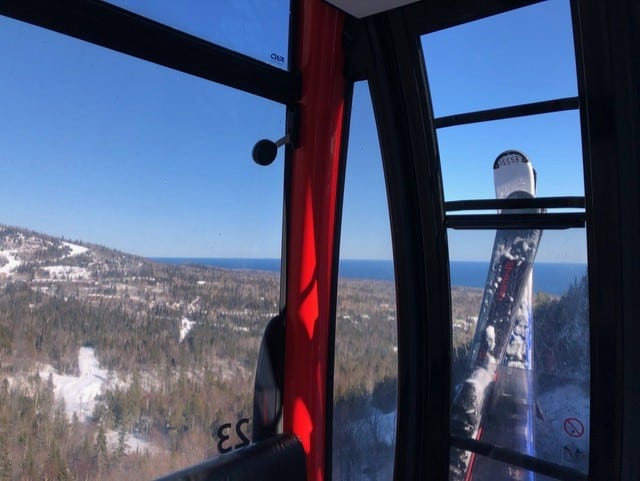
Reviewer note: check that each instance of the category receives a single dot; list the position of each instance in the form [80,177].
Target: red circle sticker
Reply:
[573,427]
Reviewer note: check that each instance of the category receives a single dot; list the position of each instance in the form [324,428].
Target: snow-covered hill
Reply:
[28,255]
[20,247]
[85,271]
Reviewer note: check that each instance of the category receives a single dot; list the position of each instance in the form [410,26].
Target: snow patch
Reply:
[75,249]
[516,351]
[67,272]
[12,261]
[80,393]
[185,327]
[490,337]
[132,444]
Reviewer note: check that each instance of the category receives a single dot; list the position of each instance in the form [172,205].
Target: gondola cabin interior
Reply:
[439,232]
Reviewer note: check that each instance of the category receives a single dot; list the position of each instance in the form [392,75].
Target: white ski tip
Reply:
[513,172]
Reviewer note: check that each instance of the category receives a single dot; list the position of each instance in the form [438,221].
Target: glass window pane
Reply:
[108,164]
[521,367]
[365,366]
[552,143]
[257,29]
[521,56]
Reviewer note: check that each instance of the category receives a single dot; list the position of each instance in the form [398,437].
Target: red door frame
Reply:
[311,229]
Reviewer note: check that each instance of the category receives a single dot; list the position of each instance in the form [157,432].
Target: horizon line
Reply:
[585,263]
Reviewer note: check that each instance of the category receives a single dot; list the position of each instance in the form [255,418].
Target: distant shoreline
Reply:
[550,277]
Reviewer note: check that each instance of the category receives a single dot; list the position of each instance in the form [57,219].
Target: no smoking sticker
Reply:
[573,427]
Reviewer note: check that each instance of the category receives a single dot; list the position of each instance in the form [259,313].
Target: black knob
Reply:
[264,152]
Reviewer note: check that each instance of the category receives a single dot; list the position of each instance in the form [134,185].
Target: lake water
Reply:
[553,278]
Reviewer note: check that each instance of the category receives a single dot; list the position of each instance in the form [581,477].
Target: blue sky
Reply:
[105,148]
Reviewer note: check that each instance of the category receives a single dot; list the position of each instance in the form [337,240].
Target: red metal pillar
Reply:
[311,227]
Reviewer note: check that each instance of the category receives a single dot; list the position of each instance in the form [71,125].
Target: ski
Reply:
[501,336]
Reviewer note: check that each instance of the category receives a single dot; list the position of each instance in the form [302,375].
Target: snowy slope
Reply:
[81,393]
